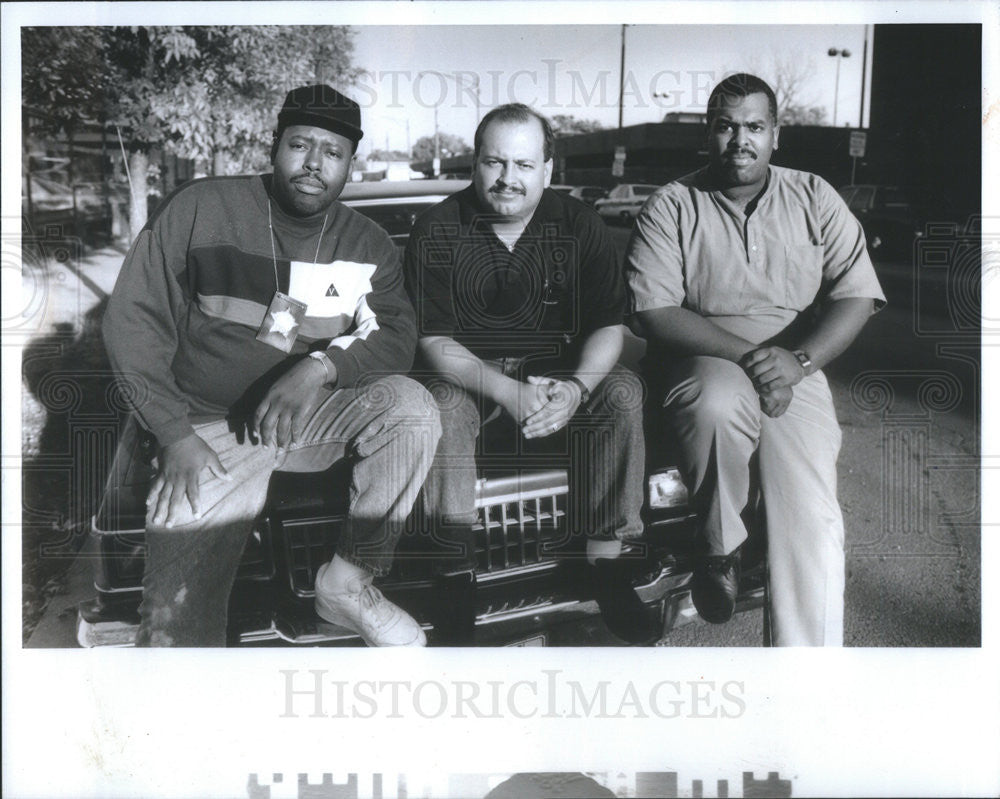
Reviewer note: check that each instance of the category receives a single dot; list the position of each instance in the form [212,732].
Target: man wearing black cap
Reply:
[264,326]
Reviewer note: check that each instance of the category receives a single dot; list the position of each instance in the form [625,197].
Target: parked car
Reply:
[82,210]
[589,194]
[530,590]
[624,201]
[395,204]
[585,194]
[890,225]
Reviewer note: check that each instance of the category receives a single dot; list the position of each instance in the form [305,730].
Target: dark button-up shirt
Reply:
[560,281]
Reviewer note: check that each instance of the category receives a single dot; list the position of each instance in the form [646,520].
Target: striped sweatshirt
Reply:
[196,284]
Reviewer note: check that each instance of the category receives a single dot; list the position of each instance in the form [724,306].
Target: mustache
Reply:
[501,189]
[306,177]
[740,151]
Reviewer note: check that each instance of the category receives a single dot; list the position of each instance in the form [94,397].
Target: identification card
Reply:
[281,323]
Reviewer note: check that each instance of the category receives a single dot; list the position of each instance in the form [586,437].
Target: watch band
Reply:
[320,356]
[804,360]
[584,391]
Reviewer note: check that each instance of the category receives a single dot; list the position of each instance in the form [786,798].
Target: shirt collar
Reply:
[705,182]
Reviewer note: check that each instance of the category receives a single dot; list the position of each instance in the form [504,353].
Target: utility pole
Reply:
[621,82]
[437,145]
[864,75]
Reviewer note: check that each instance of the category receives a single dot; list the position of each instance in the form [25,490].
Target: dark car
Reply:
[589,194]
[530,589]
[890,224]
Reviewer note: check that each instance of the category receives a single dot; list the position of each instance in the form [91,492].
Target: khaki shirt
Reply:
[751,275]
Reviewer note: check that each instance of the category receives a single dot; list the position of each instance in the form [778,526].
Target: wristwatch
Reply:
[320,356]
[584,391]
[804,360]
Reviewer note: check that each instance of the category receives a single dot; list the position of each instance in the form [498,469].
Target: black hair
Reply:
[739,85]
[516,112]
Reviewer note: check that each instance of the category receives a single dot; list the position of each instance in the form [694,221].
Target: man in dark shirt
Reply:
[520,300]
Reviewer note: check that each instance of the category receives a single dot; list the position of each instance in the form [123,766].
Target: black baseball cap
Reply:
[323,107]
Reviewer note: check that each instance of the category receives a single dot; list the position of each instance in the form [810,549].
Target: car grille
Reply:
[521,521]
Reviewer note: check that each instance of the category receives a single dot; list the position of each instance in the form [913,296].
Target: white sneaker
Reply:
[367,612]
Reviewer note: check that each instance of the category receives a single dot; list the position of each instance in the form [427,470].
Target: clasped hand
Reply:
[545,405]
[773,371]
[772,367]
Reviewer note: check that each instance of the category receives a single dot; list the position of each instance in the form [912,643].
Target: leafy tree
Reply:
[797,114]
[208,93]
[380,154]
[450,145]
[788,73]
[239,80]
[59,69]
[569,125]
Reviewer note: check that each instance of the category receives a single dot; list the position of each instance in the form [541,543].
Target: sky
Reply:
[575,69]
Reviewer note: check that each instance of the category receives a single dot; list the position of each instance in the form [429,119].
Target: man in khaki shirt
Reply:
[746,279]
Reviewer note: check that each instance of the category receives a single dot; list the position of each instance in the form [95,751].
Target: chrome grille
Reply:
[518,516]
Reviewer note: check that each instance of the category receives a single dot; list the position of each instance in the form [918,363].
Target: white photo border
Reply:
[861,722]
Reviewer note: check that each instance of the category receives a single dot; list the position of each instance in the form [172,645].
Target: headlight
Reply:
[666,489]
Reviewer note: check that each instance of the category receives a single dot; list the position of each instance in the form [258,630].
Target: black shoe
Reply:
[454,614]
[623,612]
[714,586]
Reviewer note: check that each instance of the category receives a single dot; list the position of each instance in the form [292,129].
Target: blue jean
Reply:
[389,429]
[603,450]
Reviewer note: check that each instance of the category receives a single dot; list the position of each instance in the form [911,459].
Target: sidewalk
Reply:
[70,286]
[63,371]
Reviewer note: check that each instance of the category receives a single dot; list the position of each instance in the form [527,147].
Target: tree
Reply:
[208,93]
[796,114]
[379,154]
[238,81]
[569,125]
[788,74]
[450,145]
[59,65]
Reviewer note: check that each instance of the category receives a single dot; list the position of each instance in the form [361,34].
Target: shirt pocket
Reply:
[802,274]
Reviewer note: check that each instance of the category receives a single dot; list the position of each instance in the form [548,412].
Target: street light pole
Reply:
[437,145]
[833,52]
[864,75]
[621,82]
[437,137]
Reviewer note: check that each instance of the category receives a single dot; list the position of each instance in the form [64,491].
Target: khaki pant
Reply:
[714,412]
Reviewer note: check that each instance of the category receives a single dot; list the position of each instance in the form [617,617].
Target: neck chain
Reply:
[274,256]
